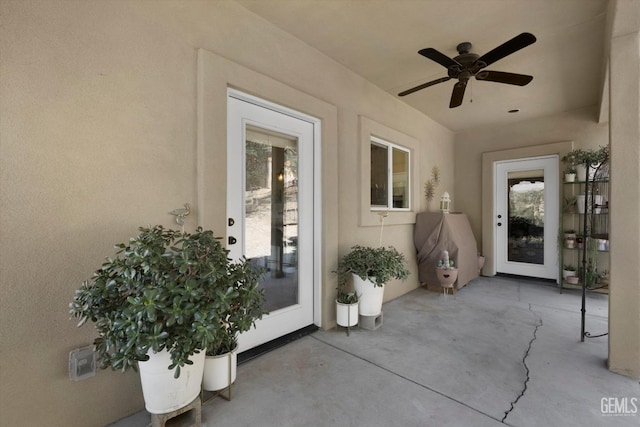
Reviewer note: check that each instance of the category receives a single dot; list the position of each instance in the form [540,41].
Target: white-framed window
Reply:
[390,176]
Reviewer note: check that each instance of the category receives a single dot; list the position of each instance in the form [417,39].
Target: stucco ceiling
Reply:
[379,40]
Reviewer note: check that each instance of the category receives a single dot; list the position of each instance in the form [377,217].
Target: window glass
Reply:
[400,178]
[379,179]
[389,175]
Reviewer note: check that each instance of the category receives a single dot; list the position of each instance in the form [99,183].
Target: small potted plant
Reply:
[570,204]
[370,269]
[570,239]
[346,307]
[568,270]
[570,174]
[238,311]
[157,306]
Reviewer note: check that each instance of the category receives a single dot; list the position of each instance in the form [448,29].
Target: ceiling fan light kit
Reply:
[467,65]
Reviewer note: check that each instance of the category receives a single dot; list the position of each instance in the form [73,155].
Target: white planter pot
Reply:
[369,296]
[216,371]
[568,273]
[569,177]
[597,199]
[162,392]
[581,172]
[347,314]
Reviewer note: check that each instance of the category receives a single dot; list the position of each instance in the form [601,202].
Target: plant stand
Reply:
[213,394]
[447,278]
[192,412]
[370,323]
[351,315]
[208,396]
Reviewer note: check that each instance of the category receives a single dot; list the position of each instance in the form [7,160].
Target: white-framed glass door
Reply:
[526,216]
[270,207]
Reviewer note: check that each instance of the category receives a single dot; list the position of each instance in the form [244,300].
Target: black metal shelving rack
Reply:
[594,224]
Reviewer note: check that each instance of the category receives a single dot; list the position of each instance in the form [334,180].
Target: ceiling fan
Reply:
[467,65]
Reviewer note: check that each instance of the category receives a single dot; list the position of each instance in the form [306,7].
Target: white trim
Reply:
[390,146]
[216,75]
[548,270]
[370,216]
[234,93]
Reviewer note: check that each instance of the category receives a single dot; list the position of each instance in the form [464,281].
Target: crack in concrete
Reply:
[526,367]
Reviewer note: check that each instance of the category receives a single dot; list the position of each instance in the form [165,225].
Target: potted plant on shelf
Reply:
[570,239]
[568,270]
[238,311]
[370,269]
[570,174]
[586,159]
[156,307]
[570,204]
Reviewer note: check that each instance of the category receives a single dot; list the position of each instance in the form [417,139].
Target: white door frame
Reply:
[316,191]
[552,216]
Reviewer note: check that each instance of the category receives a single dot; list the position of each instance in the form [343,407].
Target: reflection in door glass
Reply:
[271,213]
[526,216]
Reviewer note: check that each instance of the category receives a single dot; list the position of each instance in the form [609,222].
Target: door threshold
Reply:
[252,353]
[528,278]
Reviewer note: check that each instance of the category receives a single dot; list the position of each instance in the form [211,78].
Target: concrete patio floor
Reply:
[504,351]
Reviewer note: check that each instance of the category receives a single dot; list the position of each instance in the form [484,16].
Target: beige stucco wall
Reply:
[624,95]
[98,128]
[579,126]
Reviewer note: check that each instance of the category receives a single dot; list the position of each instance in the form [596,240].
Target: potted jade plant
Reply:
[242,306]
[370,269]
[157,305]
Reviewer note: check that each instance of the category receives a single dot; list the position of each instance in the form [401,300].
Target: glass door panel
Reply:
[526,216]
[271,213]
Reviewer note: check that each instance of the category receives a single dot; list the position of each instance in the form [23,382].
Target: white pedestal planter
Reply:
[347,314]
[369,296]
[162,392]
[220,371]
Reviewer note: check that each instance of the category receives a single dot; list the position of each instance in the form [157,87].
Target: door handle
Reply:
[231,221]
[232,240]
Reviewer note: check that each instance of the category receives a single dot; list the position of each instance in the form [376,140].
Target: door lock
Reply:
[499,224]
[232,240]
[231,221]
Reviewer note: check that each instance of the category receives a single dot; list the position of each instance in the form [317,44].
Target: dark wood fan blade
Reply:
[439,57]
[424,85]
[502,77]
[515,44]
[458,94]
